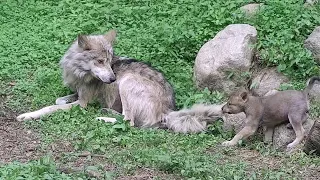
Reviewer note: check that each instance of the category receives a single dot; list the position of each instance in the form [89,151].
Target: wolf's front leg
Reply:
[243,134]
[45,111]
[67,99]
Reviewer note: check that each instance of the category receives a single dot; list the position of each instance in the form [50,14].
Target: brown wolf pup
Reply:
[284,106]
[133,88]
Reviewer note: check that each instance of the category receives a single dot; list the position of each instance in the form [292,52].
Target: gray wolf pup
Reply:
[284,106]
[130,87]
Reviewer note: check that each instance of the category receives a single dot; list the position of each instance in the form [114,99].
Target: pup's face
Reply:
[236,103]
[98,53]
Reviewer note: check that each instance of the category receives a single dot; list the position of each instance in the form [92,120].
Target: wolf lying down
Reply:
[136,90]
[269,111]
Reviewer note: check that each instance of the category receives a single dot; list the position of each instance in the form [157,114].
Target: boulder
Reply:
[312,43]
[234,122]
[251,9]
[315,92]
[312,144]
[221,61]
[267,80]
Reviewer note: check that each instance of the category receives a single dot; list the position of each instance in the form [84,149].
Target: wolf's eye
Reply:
[100,61]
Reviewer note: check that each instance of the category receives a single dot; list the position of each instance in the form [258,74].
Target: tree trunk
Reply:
[312,145]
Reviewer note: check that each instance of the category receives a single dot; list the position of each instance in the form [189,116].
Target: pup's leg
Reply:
[243,134]
[268,134]
[67,99]
[45,111]
[304,120]
[296,122]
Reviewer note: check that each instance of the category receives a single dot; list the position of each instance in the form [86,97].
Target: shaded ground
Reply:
[17,143]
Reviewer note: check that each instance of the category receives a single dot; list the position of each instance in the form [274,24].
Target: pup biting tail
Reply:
[193,120]
[310,83]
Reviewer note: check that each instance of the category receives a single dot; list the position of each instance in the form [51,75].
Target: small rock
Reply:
[310,2]
[251,9]
[85,154]
[312,43]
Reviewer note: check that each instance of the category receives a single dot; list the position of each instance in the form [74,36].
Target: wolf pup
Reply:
[269,111]
[130,87]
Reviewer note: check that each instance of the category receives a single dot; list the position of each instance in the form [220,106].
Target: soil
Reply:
[17,143]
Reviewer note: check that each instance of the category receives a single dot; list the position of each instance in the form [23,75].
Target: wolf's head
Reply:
[236,102]
[96,55]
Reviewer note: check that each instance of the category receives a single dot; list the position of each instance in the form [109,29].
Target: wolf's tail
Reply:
[310,83]
[193,120]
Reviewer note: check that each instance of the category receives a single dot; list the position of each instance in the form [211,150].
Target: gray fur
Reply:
[136,90]
[194,119]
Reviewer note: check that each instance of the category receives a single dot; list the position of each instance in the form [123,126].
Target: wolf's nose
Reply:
[113,79]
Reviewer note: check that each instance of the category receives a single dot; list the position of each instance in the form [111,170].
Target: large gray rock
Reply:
[312,143]
[312,43]
[251,9]
[267,80]
[229,52]
[315,92]
[234,122]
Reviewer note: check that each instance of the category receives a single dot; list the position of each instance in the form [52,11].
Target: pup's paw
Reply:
[27,116]
[228,143]
[107,120]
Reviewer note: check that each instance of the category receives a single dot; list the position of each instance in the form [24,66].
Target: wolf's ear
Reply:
[110,36]
[244,96]
[83,42]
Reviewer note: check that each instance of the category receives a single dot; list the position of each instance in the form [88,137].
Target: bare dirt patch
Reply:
[17,143]
[149,174]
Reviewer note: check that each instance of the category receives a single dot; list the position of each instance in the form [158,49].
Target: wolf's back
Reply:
[193,120]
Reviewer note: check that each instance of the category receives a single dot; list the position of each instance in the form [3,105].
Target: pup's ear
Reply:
[244,96]
[111,36]
[84,42]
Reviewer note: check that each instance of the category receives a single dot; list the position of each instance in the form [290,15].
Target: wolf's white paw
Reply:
[27,116]
[61,101]
[131,123]
[106,119]
[228,143]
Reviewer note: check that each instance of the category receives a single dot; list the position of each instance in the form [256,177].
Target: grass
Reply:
[168,34]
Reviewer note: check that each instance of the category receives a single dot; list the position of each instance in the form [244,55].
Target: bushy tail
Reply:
[311,81]
[193,120]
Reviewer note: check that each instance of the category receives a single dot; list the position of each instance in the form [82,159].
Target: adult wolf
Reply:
[137,90]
